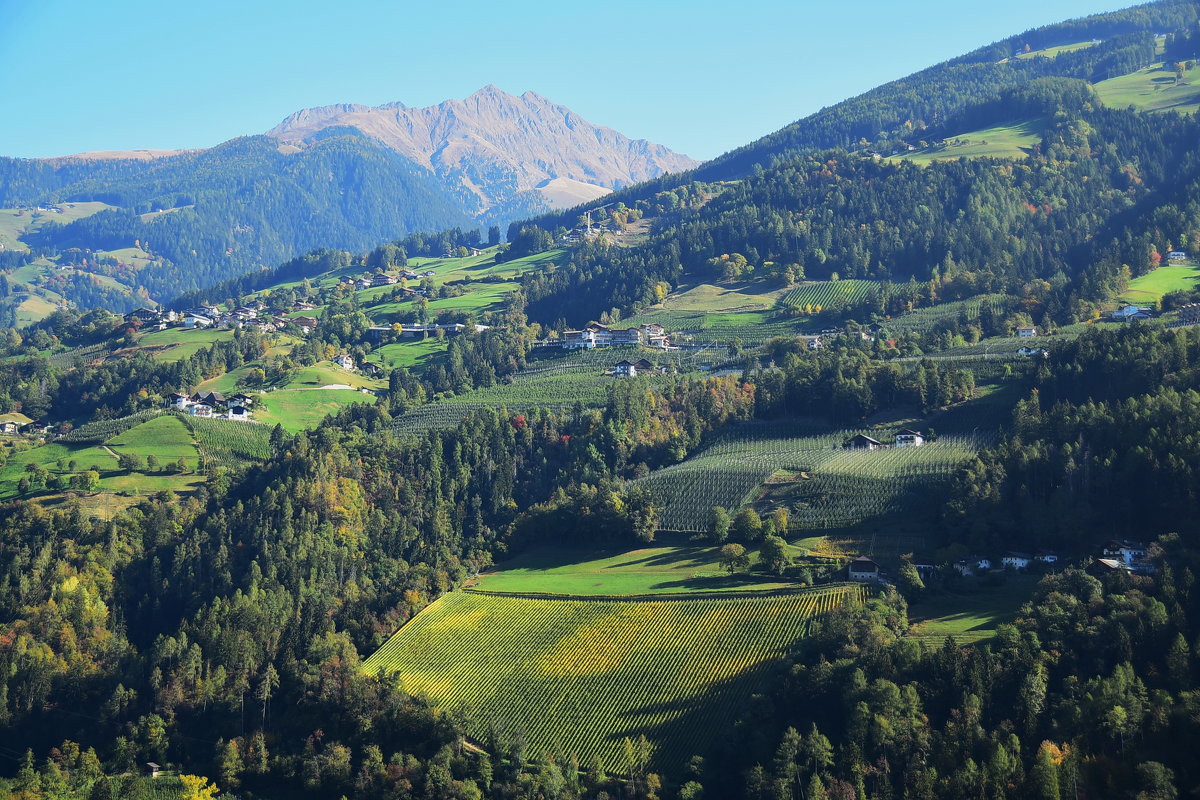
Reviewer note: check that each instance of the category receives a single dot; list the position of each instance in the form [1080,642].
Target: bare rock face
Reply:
[497,151]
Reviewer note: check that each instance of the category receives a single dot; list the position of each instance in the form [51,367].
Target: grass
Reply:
[1010,140]
[582,675]
[647,570]
[14,223]
[176,344]
[1052,52]
[1153,89]
[969,617]
[753,296]
[33,309]
[410,354]
[165,437]
[1149,288]
[326,373]
[302,409]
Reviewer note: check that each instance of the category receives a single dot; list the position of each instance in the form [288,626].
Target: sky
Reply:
[700,77]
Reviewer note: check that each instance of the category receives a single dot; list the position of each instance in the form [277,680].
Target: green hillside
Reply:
[1154,88]
[595,672]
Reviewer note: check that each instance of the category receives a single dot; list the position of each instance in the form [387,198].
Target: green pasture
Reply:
[410,354]
[302,409]
[1149,288]
[972,614]
[647,570]
[179,343]
[1153,89]
[1011,140]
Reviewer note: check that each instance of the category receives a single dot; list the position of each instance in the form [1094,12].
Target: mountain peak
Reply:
[498,150]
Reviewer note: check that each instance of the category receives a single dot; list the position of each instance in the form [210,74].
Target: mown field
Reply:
[1012,140]
[1149,288]
[1153,89]
[301,409]
[646,570]
[969,616]
[582,675]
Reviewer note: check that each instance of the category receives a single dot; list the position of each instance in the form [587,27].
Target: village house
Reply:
[972,565]
[909,438]
[197,321]
[1105,566]
[384,279]
[863,442]
[1177,255]
[863,569]
[178,401]
[1027,331]
[1015,560]
[344,361]
[1126,551]
[1129,313]
[625,369]
[305,323]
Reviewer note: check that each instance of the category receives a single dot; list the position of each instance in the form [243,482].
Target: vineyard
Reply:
[230,442]
[924,320]
[833,487]
[582,675]
[104,429]
[827,294]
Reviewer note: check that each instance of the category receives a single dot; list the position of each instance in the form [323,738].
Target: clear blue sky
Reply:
[699,76]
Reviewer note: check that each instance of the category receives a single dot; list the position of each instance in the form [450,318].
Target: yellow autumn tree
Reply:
[197,787]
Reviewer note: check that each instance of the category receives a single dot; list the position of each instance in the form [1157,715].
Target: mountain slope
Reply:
[493,148]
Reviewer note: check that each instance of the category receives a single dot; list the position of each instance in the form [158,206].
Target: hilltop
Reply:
[497,150]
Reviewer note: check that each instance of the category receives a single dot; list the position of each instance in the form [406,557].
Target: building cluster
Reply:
[419,330]
[213,404]
[631,369]
[597,335]
[1121,554]
[372,280]
[1129,313]
[903,438]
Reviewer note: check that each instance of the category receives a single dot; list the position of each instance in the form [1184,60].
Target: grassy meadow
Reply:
[1153,89]
[1149,288]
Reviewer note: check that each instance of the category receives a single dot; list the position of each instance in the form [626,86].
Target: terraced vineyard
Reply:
[828,293]
[581,675]
[833,486]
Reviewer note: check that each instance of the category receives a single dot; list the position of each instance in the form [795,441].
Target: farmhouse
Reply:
[307,323]
[1130,312]
[1047,556]
[1016,560]
[909,438]
[1105,566]
[1177,255]
[1038,352]
[1027,331]
[1124,550]
[197,321]
[344,361]
[814,343]
[972,565]
[179,401]
[863,442]
[863,569]
[625,369]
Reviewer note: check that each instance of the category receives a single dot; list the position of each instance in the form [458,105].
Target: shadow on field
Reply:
[700,582]
[699,724]
[683,556]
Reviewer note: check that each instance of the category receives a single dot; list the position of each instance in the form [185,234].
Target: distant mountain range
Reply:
[496,151]
[344,176]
